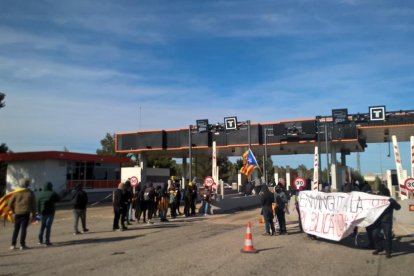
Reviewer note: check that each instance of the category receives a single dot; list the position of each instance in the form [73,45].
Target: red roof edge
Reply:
[62,155]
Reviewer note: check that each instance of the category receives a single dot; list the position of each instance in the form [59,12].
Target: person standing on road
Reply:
[384,224]
[149,201]
[193,203]
[189,199]
[206,201]
[281,205]
[120,204]
[266,199]
[128,196]
[163,202]
[301,188]
[22,204]
[79,202]
[138,202]
[173,199]
[46,208]
[179,197]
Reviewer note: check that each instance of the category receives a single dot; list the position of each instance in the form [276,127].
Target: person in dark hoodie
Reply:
[384,223]
[189,199]
[120,204]
[163,202]
[266,199]
[281,206]
[46,208]
[79,202]
[149,201]
[138,202]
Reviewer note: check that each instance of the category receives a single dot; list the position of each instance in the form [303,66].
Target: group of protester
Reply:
[274,204]
[27,209]
[129,205]
[379,234]
[147,201]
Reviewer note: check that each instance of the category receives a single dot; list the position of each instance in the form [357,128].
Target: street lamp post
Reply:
[190,157]
[266,133]
[327,152]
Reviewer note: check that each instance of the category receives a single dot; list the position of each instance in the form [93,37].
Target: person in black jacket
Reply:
[266,199]
[79,202]
[149,201]
[120,204]
[281,202]
[190,195]
[138,202]
[384,223]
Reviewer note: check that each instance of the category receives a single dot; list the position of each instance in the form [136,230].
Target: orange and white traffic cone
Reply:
[248,242]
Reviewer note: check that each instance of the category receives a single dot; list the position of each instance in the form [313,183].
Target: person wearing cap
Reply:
[22,204]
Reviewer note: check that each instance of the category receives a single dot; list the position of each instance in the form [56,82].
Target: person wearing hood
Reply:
[46,208]
[266,199]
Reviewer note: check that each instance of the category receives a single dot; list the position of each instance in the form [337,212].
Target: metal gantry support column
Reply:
[143,164]
[190,156]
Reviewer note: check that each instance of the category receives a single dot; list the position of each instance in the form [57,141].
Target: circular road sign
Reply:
[209,181]
[134,181]
[299,181]
[409,184]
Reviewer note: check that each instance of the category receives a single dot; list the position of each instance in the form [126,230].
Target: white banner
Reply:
[333,216]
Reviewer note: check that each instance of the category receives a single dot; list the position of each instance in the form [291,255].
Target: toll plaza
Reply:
[337,134]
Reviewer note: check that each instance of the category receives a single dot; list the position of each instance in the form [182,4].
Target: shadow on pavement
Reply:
[403,247]
[95,241]
[266,249]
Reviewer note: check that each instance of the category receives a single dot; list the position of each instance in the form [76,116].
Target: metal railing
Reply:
[92,184]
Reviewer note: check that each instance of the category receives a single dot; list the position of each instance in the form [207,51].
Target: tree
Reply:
[2,103]
[108,146]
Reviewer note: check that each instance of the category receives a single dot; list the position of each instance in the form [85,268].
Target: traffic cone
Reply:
[248,242]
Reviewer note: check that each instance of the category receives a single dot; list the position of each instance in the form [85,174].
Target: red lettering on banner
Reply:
[303,219]
[314,221]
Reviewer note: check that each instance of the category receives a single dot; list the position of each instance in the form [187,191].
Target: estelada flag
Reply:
[5,211]
[249,163]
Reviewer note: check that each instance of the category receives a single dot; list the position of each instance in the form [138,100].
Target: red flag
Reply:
[5,211]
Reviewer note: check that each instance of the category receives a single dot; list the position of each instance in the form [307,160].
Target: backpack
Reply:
[173,196]
[147,194]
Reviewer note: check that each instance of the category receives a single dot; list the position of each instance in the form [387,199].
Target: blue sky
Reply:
[74,70]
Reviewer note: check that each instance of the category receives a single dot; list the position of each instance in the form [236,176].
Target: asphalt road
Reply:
[195,246]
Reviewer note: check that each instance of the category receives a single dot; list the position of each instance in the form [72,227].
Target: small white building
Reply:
[63,169]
